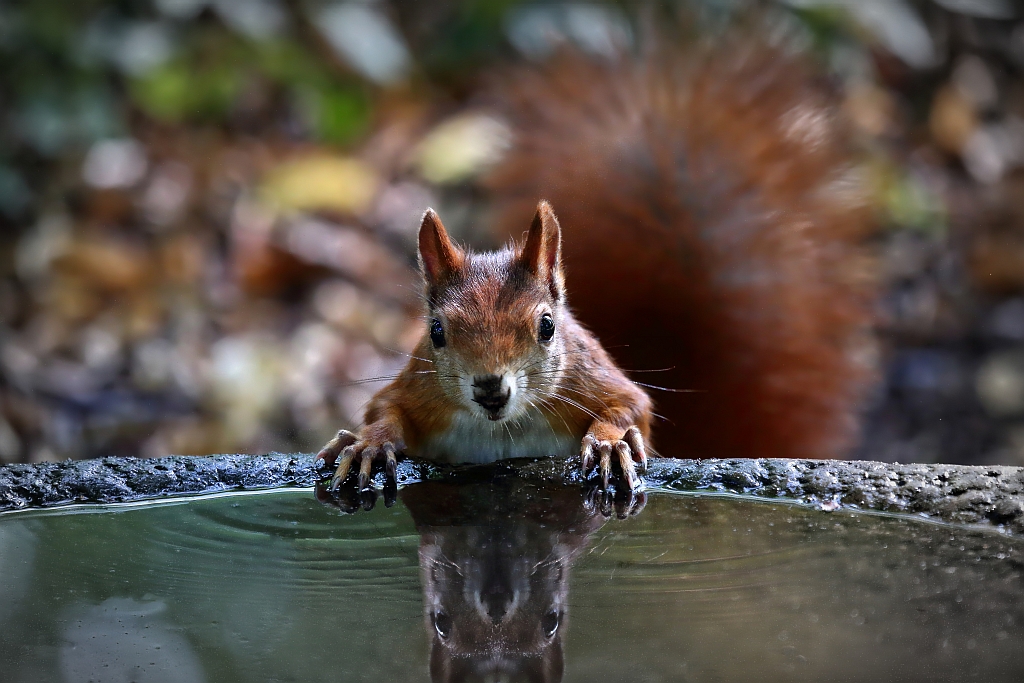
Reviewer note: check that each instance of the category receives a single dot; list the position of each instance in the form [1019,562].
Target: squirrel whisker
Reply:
[553,410]
[533,405]
[585,395]
[573,403]
[672,367]
[674,391]
[407,355]
[537,363]
[383,378]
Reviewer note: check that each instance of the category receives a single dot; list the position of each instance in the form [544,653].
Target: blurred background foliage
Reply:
[208,207]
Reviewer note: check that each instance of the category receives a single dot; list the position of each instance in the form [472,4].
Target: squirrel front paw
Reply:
[600,444]
[376,443]
[623,503]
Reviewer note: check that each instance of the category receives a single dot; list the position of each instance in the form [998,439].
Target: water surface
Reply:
[490,578]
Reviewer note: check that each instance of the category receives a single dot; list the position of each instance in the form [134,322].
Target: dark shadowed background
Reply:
[208,207]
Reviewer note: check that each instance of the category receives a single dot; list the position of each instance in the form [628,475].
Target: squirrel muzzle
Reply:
[492,393]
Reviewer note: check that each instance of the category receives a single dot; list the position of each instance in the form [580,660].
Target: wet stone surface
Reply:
[953,493]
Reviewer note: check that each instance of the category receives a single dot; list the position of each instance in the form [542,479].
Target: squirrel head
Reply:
[495,318]
[495,610]
[496,599]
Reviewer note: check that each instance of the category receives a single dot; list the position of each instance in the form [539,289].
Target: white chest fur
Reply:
[470,439]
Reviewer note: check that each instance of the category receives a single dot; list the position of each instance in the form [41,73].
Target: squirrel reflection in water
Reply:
[495,554]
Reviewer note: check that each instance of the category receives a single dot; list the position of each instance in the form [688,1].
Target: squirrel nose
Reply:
[497,602]
[491,392]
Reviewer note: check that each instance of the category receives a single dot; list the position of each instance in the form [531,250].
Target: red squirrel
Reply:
[504,370]
[713,228]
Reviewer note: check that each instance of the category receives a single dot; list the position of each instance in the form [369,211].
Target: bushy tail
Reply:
[711,224]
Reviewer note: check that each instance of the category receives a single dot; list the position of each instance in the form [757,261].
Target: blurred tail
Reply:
[711,221]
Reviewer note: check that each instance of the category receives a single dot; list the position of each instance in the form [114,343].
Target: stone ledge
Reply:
[952,493]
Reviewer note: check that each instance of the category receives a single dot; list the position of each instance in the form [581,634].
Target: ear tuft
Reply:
[542,253]
[439,257]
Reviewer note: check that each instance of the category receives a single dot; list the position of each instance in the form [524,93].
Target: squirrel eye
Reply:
[437,333]
[549,623]
[442,624]
[547,328]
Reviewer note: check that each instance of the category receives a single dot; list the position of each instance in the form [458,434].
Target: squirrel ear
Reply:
[542,253]
[439,257]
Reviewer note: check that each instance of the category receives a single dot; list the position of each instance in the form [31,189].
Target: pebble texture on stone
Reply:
[952,493]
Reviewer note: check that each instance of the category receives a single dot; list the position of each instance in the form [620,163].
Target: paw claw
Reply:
[625,456]
[587,454]
[354,450]
[390,461]
[343,467]
[635,439]
[606,462]
[366,467]
[390,492]
[628,453]
[329,453]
